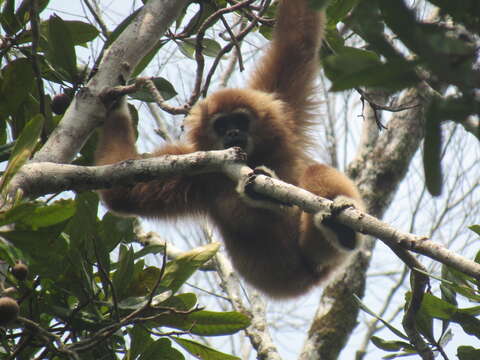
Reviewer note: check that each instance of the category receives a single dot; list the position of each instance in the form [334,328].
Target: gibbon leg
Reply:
[324,242]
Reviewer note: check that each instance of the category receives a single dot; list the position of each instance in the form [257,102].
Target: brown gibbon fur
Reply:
[280,252]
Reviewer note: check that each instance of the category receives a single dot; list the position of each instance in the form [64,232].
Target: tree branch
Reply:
[42,178]
[86,111]
[378,173]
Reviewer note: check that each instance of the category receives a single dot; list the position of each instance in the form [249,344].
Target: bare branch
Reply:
[257,332]
[86,111]
[42,178]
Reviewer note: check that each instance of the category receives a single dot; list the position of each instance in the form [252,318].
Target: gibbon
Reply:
[282,252]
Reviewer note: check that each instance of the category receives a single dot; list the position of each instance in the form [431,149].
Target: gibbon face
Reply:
[253,120]
[232,129]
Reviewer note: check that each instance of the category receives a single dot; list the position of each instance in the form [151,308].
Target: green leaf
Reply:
[423,319]
[23,149]
[473,311]
[149,249]
[437,308]
[81,32]
[460,283]
[476,229]
[146,59]
[61,49]
[201,351]
[10,253]
[351,68]
[386,323]
[119,29]
[468,353]
[349,56]
[388,345]
[116,229]
[18,212]
[111,231]
[135,303]
[23,11]
[448,294]
[338,9]
[8,20]
[44,216]
[366,21]
[16,83]
[210,323]
[469,324]
[205,323]
[161,349]
[122,278]
[165,88]
[144,281]
[335,43]
[44,249]
[140,340]
[267,31]
[181,302]
[211,47]
[432,149]
[431,42]
[179,270]
[132,303]
[82,227]
[186,48]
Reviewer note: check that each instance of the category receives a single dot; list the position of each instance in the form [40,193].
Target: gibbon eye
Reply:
[234,121]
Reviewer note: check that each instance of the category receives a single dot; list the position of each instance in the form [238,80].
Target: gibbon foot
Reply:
[240,154]
[254,199]
[339,235]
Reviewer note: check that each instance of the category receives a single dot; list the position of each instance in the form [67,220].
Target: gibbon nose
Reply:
[232,133]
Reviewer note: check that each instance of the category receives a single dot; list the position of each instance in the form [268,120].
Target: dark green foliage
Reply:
[446,310]
[444,59]
[86,280]
[75,282]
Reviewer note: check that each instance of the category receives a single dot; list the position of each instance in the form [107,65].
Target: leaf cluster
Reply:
[437,314]
[400,51]
[105,308]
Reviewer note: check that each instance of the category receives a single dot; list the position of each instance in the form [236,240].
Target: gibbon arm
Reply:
[167,197]
[291,62]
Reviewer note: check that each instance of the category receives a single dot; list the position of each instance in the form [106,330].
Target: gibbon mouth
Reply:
[236,143]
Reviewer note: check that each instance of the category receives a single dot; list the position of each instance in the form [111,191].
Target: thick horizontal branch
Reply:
[367,224]
[37,179]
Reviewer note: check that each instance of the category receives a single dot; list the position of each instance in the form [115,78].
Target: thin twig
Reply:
[34,57]
[226,49]
[60,346]
[109,281]
[197,90]
[235,42]
[96,15]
